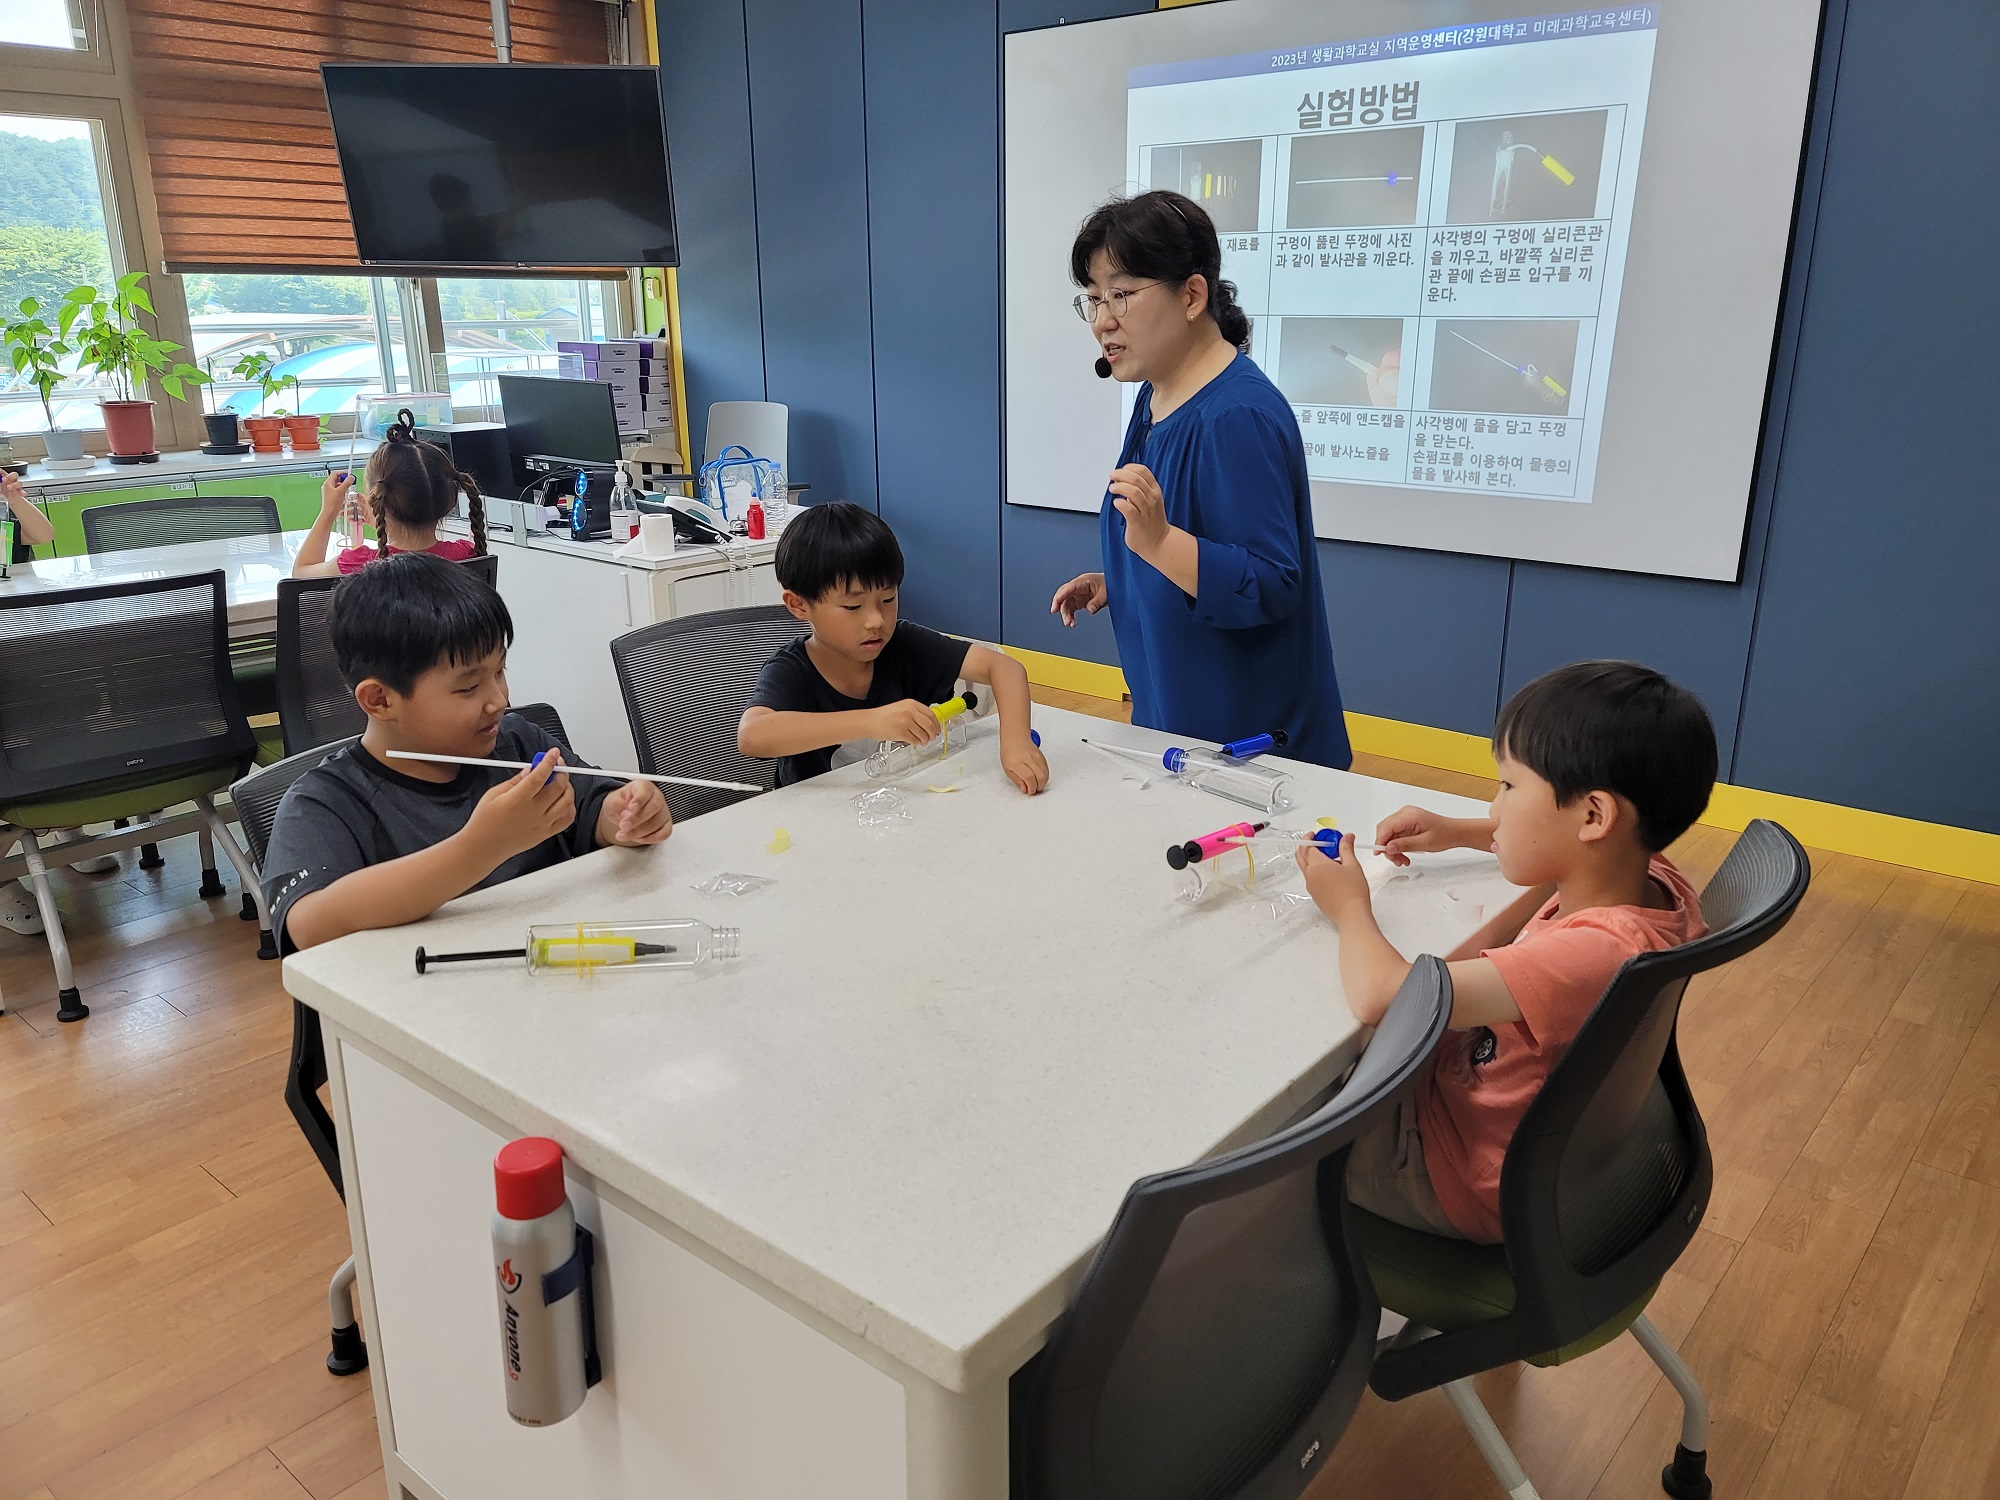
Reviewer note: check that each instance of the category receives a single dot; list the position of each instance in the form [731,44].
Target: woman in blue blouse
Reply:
[1210,571]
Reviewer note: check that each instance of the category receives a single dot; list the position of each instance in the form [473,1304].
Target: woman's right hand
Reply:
[1084,592]
[334,492]
[1417,830]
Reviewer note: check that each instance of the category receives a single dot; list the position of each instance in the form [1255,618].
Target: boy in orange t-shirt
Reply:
[1602,765]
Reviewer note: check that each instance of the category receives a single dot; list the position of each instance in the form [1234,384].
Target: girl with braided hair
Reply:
[411,486]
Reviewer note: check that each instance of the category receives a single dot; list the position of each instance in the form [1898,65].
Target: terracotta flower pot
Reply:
[267,434]
[128,427]
[304,433]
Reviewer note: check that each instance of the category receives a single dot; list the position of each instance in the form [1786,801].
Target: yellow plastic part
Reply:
[583,952]
[1562,173]
[781,840]
[1550,382]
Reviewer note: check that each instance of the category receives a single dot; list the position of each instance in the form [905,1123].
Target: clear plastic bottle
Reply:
[586,947]
[354,517]
[624,508]
[1264,788]
[895,760]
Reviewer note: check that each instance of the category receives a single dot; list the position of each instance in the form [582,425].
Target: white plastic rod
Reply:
[522,765]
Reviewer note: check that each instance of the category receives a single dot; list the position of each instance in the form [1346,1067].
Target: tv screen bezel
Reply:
[481,267]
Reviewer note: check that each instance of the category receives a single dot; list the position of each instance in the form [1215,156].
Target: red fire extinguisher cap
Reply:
[528,1178]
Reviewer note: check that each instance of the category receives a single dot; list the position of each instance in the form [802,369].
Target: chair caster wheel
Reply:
[1686,1478]
[349,1356]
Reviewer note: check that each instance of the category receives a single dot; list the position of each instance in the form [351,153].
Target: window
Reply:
[44,23]
[52,237]
[498,327]
[337,335]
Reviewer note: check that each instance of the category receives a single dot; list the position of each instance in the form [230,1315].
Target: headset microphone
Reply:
[1103,368]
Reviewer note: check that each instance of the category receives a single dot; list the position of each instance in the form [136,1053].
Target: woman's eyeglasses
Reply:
[1087,307]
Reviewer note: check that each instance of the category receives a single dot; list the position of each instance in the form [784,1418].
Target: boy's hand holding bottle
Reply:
[520,812]
[1337,886]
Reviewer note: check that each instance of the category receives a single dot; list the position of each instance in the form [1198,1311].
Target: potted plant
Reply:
[266,432]
[108,335]
[36,352]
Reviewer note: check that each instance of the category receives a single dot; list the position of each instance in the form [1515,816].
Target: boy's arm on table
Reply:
[1372,970]
[767,733]
[1020,757]
[510,819]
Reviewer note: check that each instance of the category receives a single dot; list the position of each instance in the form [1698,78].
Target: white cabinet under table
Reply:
[843,1186]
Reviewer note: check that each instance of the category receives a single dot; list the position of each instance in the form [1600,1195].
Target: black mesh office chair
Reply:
[256,798]
[1223,1334]
[159,523]
[315,704]
[1602,1189]
[686,683]
[115,701]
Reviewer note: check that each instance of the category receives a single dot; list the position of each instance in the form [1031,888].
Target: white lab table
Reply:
[843,1186]
[251,567]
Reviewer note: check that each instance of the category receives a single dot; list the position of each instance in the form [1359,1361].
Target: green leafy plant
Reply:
[36,352]
[260,370]
[107,333]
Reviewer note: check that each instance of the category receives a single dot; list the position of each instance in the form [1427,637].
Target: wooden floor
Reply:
[166,1237]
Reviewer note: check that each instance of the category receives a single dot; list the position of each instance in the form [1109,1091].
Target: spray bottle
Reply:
[541,1265]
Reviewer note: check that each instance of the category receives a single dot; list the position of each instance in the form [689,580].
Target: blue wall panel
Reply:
[1416,635]
[1044,550]
[705,80]
[1874,668]
[806,128]
[933,156]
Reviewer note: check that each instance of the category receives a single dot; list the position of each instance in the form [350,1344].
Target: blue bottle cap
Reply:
[1174,759]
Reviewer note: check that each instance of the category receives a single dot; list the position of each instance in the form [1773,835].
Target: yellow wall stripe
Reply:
[1937,847]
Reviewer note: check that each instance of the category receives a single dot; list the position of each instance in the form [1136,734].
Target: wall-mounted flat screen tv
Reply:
[503,165]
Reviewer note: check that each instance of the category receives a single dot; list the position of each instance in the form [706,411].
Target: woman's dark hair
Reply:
[1615,726]
[416,484]
[1162,236]
[398,618]
[835,544]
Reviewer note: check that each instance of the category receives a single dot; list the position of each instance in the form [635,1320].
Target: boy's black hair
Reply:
[1161,236]
[1619,727]
[401,616]
[834,545]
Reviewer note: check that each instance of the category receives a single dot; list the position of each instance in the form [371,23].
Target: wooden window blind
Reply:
[236,126]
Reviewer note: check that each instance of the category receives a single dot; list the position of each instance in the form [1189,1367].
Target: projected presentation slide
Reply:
[1429,230]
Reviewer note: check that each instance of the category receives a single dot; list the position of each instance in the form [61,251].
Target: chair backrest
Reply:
[1224,1331]
[544,717]
[760,426]
[256,796]
[159,523]
[118,682]
[315,704]
[686,683]
[1608,1176]
[487,567]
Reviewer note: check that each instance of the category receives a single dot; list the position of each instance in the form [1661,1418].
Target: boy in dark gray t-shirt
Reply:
[365,841]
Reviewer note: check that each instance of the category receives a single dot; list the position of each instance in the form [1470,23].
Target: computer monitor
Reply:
[566,419]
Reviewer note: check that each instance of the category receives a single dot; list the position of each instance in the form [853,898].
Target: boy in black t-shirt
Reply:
[860,675]
[366,840]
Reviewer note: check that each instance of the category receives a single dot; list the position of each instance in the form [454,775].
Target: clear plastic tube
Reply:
[586,947]
[896,760]
[1265,789]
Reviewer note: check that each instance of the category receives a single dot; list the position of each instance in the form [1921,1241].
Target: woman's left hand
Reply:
[1137,495]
